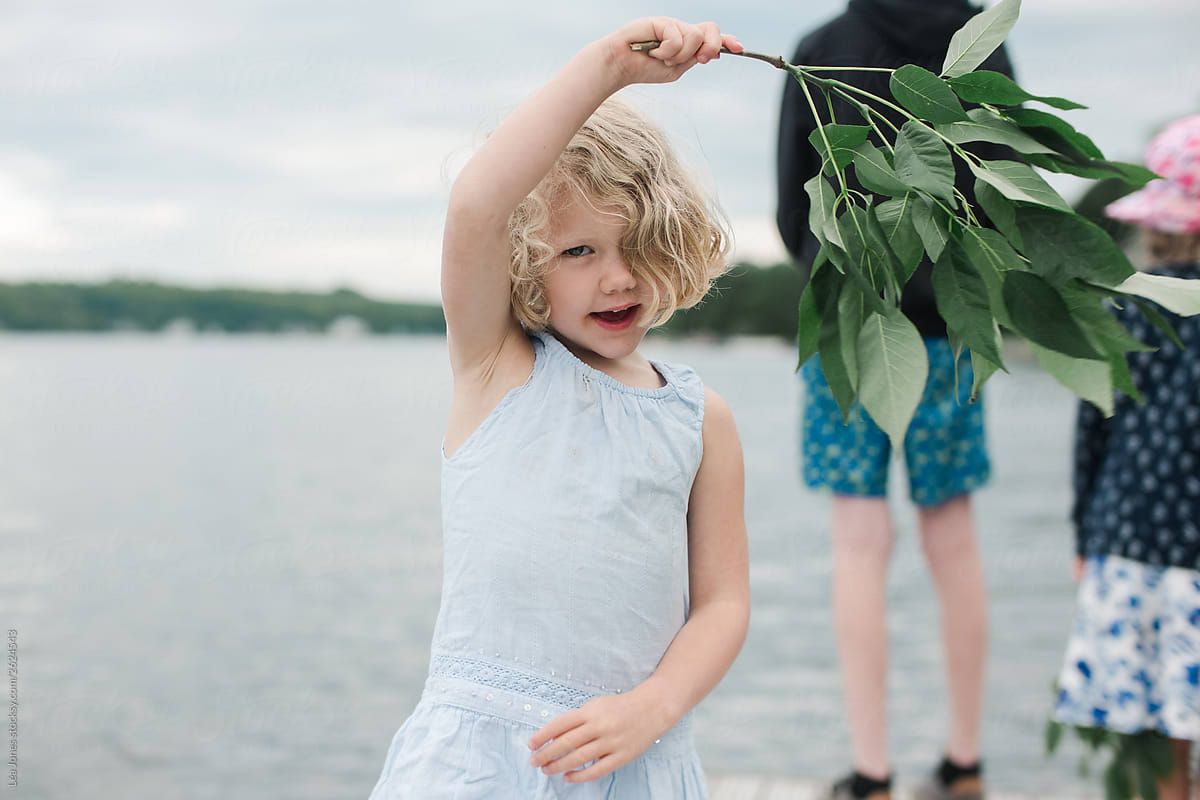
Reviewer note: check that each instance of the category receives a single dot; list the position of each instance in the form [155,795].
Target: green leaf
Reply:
[821,198]
[982,368]
[1094,168]
[1054,730]
[1122,378]
[984,245]
[875,173]
[1018,181]
[892,368]
[896,217]
[1147,789]
[1159,755]
[956,350]
[963,301]
[881,245]
[1087,378]
[850,314]
[821,258]
[1179,295]
[1133,174]
[1103,329]
[1116,783]
[830,234]
[1037,311]
[865,264]
[923,162]
[931,228]
[992,256]
[842,138]
[1087,306]
[809,329]
[1053,131]
[996,88]
[836,255]
[1000,212]
[1092,736]
[1157,320]
[974,42]
[1061,246]
[926,95]
[840,305]
[984,126]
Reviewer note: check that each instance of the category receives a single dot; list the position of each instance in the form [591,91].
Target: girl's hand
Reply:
[683,46]
[1077,569]
[611,730]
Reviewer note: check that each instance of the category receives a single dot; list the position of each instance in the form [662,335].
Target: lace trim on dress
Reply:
[506,679]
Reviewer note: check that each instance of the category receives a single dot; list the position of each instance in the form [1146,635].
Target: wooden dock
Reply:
[766,787]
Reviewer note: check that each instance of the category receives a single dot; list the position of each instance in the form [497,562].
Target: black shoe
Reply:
[859,787]
[952,782]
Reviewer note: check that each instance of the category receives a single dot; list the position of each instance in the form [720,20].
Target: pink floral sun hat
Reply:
[1171,204]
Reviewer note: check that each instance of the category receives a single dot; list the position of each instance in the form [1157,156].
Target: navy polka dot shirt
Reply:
[1137,474]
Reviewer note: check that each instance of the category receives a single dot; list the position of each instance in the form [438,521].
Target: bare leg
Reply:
[862,548]
[1176,786]
[948,539]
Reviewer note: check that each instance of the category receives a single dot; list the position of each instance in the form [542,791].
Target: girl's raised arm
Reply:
[515,158]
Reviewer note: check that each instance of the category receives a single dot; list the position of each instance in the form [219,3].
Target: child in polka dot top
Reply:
[1133,659]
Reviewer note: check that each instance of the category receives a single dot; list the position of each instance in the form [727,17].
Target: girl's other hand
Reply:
[610,730]
[683,45]
[1077,569]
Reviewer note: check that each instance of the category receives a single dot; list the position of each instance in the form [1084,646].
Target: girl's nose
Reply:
[617,277]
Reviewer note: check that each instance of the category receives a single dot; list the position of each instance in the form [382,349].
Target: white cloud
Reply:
[51,51]
[25,221]
[1103,7]
[395,264]
[343,155]
[224,142]
[756,241]
[41,213]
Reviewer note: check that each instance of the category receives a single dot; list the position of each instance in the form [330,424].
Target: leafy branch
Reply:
[1136,760]
[1039,269]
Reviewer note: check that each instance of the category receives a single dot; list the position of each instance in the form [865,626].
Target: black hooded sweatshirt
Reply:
[870,33]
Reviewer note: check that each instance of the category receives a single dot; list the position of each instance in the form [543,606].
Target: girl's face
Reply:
[594,299]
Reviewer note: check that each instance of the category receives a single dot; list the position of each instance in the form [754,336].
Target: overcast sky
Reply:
[311,145]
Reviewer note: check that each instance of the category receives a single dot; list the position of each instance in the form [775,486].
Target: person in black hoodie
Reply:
[945,447]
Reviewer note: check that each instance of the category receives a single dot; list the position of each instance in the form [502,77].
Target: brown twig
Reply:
[774,61]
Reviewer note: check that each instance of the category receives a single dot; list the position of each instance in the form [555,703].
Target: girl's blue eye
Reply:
[578,250]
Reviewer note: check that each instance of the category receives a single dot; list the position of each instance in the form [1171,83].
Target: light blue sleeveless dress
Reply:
[564,578]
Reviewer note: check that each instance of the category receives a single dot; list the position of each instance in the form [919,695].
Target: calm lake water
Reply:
[221,556]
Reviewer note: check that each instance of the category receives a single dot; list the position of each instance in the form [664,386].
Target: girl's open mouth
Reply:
[616,320]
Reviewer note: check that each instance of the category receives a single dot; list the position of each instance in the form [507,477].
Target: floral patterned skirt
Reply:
[1133,659]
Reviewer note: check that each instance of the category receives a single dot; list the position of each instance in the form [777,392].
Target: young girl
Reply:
[1133,660]
[595,582]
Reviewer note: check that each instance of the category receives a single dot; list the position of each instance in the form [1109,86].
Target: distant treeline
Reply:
[142,305]
[747,300]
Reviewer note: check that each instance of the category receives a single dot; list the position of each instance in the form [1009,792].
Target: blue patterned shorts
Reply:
[945,447]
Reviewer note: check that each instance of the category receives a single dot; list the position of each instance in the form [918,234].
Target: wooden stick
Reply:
[774,61]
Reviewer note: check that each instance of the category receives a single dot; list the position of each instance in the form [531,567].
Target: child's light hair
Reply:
[676,240]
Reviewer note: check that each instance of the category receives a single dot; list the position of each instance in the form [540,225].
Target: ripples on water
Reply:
[222,559]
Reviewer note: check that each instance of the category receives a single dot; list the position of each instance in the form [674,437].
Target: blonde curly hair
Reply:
[676,239]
